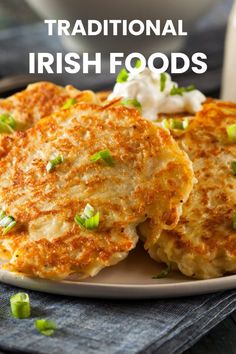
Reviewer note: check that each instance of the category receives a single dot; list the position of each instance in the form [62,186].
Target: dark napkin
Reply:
[167,326]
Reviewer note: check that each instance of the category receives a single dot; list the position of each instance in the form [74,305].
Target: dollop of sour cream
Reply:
[155,96]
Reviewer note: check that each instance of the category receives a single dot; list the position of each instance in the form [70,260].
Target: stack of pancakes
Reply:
[174,191]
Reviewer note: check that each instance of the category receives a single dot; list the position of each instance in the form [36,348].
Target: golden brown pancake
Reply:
[203,244]
[35,102]
[150,178]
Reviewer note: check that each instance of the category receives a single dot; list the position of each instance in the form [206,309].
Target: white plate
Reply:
[131,279]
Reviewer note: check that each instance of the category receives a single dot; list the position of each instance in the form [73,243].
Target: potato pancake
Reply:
[203,244]
[23,109]
[75,186]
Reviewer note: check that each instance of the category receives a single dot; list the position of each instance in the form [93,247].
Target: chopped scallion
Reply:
[54,162]
[104,155]
[165,124]
[122,76]
[80,221]
[93,222]
[179,124]
[233,166]
[231,132]
[234,221]
[163,273]
[2,214]
[88,211]
[180,90]
[7,123]
[9,227]
[20,305]
[138,64]
[6,222]
[70,102]
[129,102]
[45,327]
[163,78]
[88,219]
[185,123]
[175,123]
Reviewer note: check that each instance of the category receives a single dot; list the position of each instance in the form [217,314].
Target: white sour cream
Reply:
[145,87]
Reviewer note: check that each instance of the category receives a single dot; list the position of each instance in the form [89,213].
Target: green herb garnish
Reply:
[129,102]
[88,219]
[163,78]
[180,90]
[104,155]
[234,221]
[45,327]
[6,222]
[231,132]
[122,76]
[163,273]
[233,167]
[7,124]
[20,305]
[138,64]
[70,102]
[175,123]
[54,162]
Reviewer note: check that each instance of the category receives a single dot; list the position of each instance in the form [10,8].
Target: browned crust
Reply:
[144,183]
[35,102]
[204,242]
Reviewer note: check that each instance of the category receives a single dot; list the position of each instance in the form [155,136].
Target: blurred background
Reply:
[22,31]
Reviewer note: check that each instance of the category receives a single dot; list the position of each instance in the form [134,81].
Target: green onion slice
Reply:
[163,273]
[104,155]
[234,221]
[88,219]
[180,90]
[122,76]
[233,167]
[179,124]
[2,214]
[45,327]
[54,162]
[163,78]
[88,211]
[80,221]
[6,222]
[165,123]
[20,305]
[138,64]
[7,124]
[89,224]
[129,102]
[93,222]
[70,102]
[9,227]
[231,132]
[175,123]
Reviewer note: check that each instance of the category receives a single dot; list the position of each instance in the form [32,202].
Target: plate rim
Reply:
[120,291]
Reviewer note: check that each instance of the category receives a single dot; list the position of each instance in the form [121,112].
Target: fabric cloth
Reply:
[167,326]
